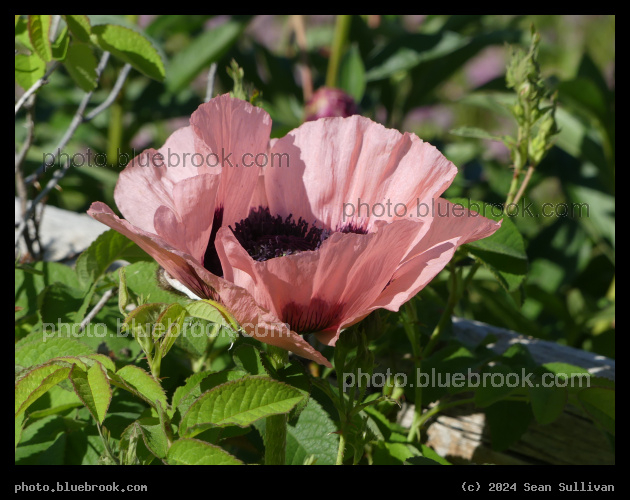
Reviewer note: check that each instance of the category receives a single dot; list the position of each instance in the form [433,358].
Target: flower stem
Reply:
[276,425]
[342,29]
[342,446]
[276,439]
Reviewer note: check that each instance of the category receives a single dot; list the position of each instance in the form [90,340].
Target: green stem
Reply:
[114,132]
[453,299]
[410,324]
[342,446]
[523,145]
[156,365]
[441,407]
[109,452]
[276,425]
[276,442]
[340,38]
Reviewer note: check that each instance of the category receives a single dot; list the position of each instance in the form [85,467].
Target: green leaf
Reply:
[153,435]
[28,69]
[131,47]
[432,455]
[547,402]
[141,280]
[385,453]
[508,421]
[409,51]
[249,359]
[599,403]
[39,33]
[38,352]
[141,322]
[241,403]
[93,389]
[80,27]
[58,400]
[107,248]
[210,310]
[207,48]
[497,389]
[199,383]
[475,133]
[31,281]
[60,46]
[352,74]
[195,452]
[81,65]
[169,326]
[313,435]
[35,383]
[19,425]
[140,383]
[421,461]
[503,253]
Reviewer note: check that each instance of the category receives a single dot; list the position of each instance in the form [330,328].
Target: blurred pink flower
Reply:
[283,248]
[327,102]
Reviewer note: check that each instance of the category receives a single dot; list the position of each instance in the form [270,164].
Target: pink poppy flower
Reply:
[347,220]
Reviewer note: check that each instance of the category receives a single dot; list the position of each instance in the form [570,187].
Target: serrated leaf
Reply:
[352,74]
[38,352]
[241,403]
[313,435]
[249,359]
[107,363]
[140,383]
[80,27]
[107,248]
[207,48]
[93,389]
[28,69]
[131,47]
[35,383]
[199,383]
[19,421]
[210,310]
[153,435]
[195,452]
[39,33]
[81,65]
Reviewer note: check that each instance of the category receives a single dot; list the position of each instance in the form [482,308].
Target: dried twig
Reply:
[122,76]
[74,124]
[99,305]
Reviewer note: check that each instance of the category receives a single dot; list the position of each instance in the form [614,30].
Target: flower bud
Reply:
[329,101]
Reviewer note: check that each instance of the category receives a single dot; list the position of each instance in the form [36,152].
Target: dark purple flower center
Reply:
[265,236]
